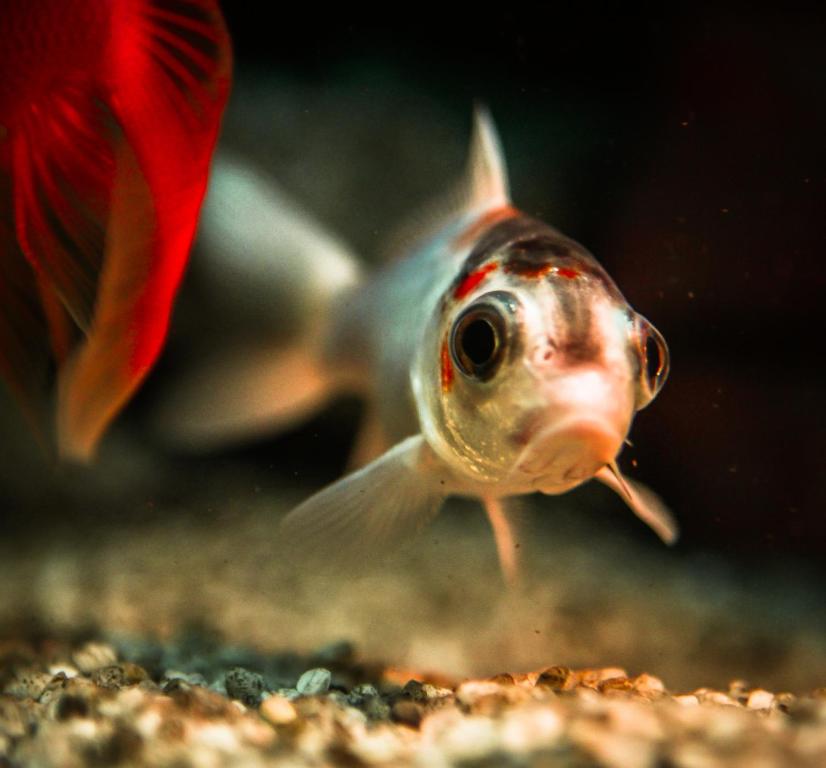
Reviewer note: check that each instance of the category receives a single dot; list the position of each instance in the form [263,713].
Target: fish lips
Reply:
[561,456]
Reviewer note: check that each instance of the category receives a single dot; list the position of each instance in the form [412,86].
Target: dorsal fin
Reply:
[487,176]
[483,185]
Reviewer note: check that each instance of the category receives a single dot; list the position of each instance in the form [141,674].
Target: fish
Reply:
[109,115]
[497,357]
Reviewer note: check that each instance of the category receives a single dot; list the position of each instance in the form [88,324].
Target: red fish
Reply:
[109,114]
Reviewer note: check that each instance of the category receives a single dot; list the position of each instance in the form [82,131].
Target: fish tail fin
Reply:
[269,279]
[108,171]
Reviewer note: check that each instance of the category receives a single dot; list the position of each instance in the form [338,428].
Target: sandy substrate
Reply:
[201,634]
[90,705]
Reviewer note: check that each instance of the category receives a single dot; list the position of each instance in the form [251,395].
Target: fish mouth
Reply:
[569,453]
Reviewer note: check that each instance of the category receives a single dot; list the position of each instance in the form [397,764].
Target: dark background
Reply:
[685,148]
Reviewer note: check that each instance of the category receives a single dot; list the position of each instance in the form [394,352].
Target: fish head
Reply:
[534,364]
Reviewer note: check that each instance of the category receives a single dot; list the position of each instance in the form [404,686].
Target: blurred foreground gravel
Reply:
[95,705]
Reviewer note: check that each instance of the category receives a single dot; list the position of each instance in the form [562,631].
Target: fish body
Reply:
[498,358]
[109,113]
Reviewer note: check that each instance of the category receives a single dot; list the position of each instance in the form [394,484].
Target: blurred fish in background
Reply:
[109,113]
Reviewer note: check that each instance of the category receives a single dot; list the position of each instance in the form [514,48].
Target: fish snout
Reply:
[570,453]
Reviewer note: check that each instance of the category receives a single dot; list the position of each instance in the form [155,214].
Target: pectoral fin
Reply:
[644,503]
[368,511]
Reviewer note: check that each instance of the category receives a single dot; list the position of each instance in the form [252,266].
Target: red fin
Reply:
[62,166]
[169,79]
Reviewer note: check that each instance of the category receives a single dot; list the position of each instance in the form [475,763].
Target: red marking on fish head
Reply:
[568,272]
[446,368]
[474,279]
[529,271]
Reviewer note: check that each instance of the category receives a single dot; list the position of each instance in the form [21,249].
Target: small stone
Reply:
[648,685]
[111,677]
[615,684]
[93,656]
[719,698]
[244,685]
[314,681]
[191,678]
[557,679]
[739,690]
[67,670]
[687,700]
[435,692]
[377,709]
[593,677]
[361,694]
[471,691]
[133,673]
[760,699]
[28,684]
[414,690]
[408,712]
[784,701]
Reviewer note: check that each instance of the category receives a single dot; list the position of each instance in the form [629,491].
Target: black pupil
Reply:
[652,358]
[479,341]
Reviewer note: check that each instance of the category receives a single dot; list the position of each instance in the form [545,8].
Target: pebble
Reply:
[116,714]
[556,678]
[314,681]
[760,699]
[277,710]
[470,691]
[111,677]
[192,678]
[362,693]
[245,685]
[28,684]
[93,656]
[408,712]
[687,700]
[649,686]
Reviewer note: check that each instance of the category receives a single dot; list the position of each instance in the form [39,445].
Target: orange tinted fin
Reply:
[169,75]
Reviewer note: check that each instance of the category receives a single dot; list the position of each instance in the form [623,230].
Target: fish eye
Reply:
[477,342]
[654,361]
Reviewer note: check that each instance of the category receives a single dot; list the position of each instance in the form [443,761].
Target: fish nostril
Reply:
[544,351]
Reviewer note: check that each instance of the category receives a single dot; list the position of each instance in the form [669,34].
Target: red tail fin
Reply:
[110,172]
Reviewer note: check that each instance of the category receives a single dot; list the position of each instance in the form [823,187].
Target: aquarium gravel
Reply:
[58,709]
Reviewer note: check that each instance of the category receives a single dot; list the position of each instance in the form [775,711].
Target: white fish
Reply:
[497,356]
